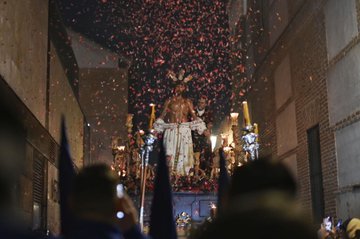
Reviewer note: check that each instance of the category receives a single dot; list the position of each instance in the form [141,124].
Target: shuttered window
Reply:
[38,191]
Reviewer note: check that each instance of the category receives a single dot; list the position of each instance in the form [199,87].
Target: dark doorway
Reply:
[317,191]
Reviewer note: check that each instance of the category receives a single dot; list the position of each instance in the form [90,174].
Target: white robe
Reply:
[178,143]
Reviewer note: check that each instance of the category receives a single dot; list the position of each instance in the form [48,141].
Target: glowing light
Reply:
[234,115]
[213,139]
[120,191]
[246,113]
[120,215]
[234,118]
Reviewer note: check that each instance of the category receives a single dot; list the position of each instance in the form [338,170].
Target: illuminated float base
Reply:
[196,205]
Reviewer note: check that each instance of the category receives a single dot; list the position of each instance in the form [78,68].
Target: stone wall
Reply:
[36,87]
[342,31]
[53,206]
[103,96]
[63,102]
[23,51]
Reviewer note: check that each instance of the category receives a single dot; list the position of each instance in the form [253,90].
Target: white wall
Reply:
[341,24]
[344,86]
[343,82]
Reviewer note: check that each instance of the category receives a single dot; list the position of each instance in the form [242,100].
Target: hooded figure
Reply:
[353,229]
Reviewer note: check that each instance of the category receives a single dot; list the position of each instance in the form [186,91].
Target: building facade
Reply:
[299,71]
[38,86]
[48,71]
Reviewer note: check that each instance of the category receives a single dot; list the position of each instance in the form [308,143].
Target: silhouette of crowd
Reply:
[260,202]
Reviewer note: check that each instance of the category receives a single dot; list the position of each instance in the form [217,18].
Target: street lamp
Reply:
[234,118]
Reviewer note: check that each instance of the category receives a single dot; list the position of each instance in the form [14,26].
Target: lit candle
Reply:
[256,128]
[246,113]
[256,131]
[152,116]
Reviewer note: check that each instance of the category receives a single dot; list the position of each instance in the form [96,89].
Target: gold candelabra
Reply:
[250,137]
[248,148]
[120,159]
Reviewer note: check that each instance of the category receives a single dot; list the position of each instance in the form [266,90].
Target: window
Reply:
[39,193]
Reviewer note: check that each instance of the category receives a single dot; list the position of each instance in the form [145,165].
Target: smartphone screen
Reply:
[327,223]
[339,223]
[120,190]
[120,194]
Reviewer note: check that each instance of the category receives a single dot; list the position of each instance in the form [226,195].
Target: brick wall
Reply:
[303,41]
[309,62]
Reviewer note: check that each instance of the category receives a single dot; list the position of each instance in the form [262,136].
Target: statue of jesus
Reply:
[174,123]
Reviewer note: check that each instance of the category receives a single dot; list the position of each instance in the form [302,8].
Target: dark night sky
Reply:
[159,36]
